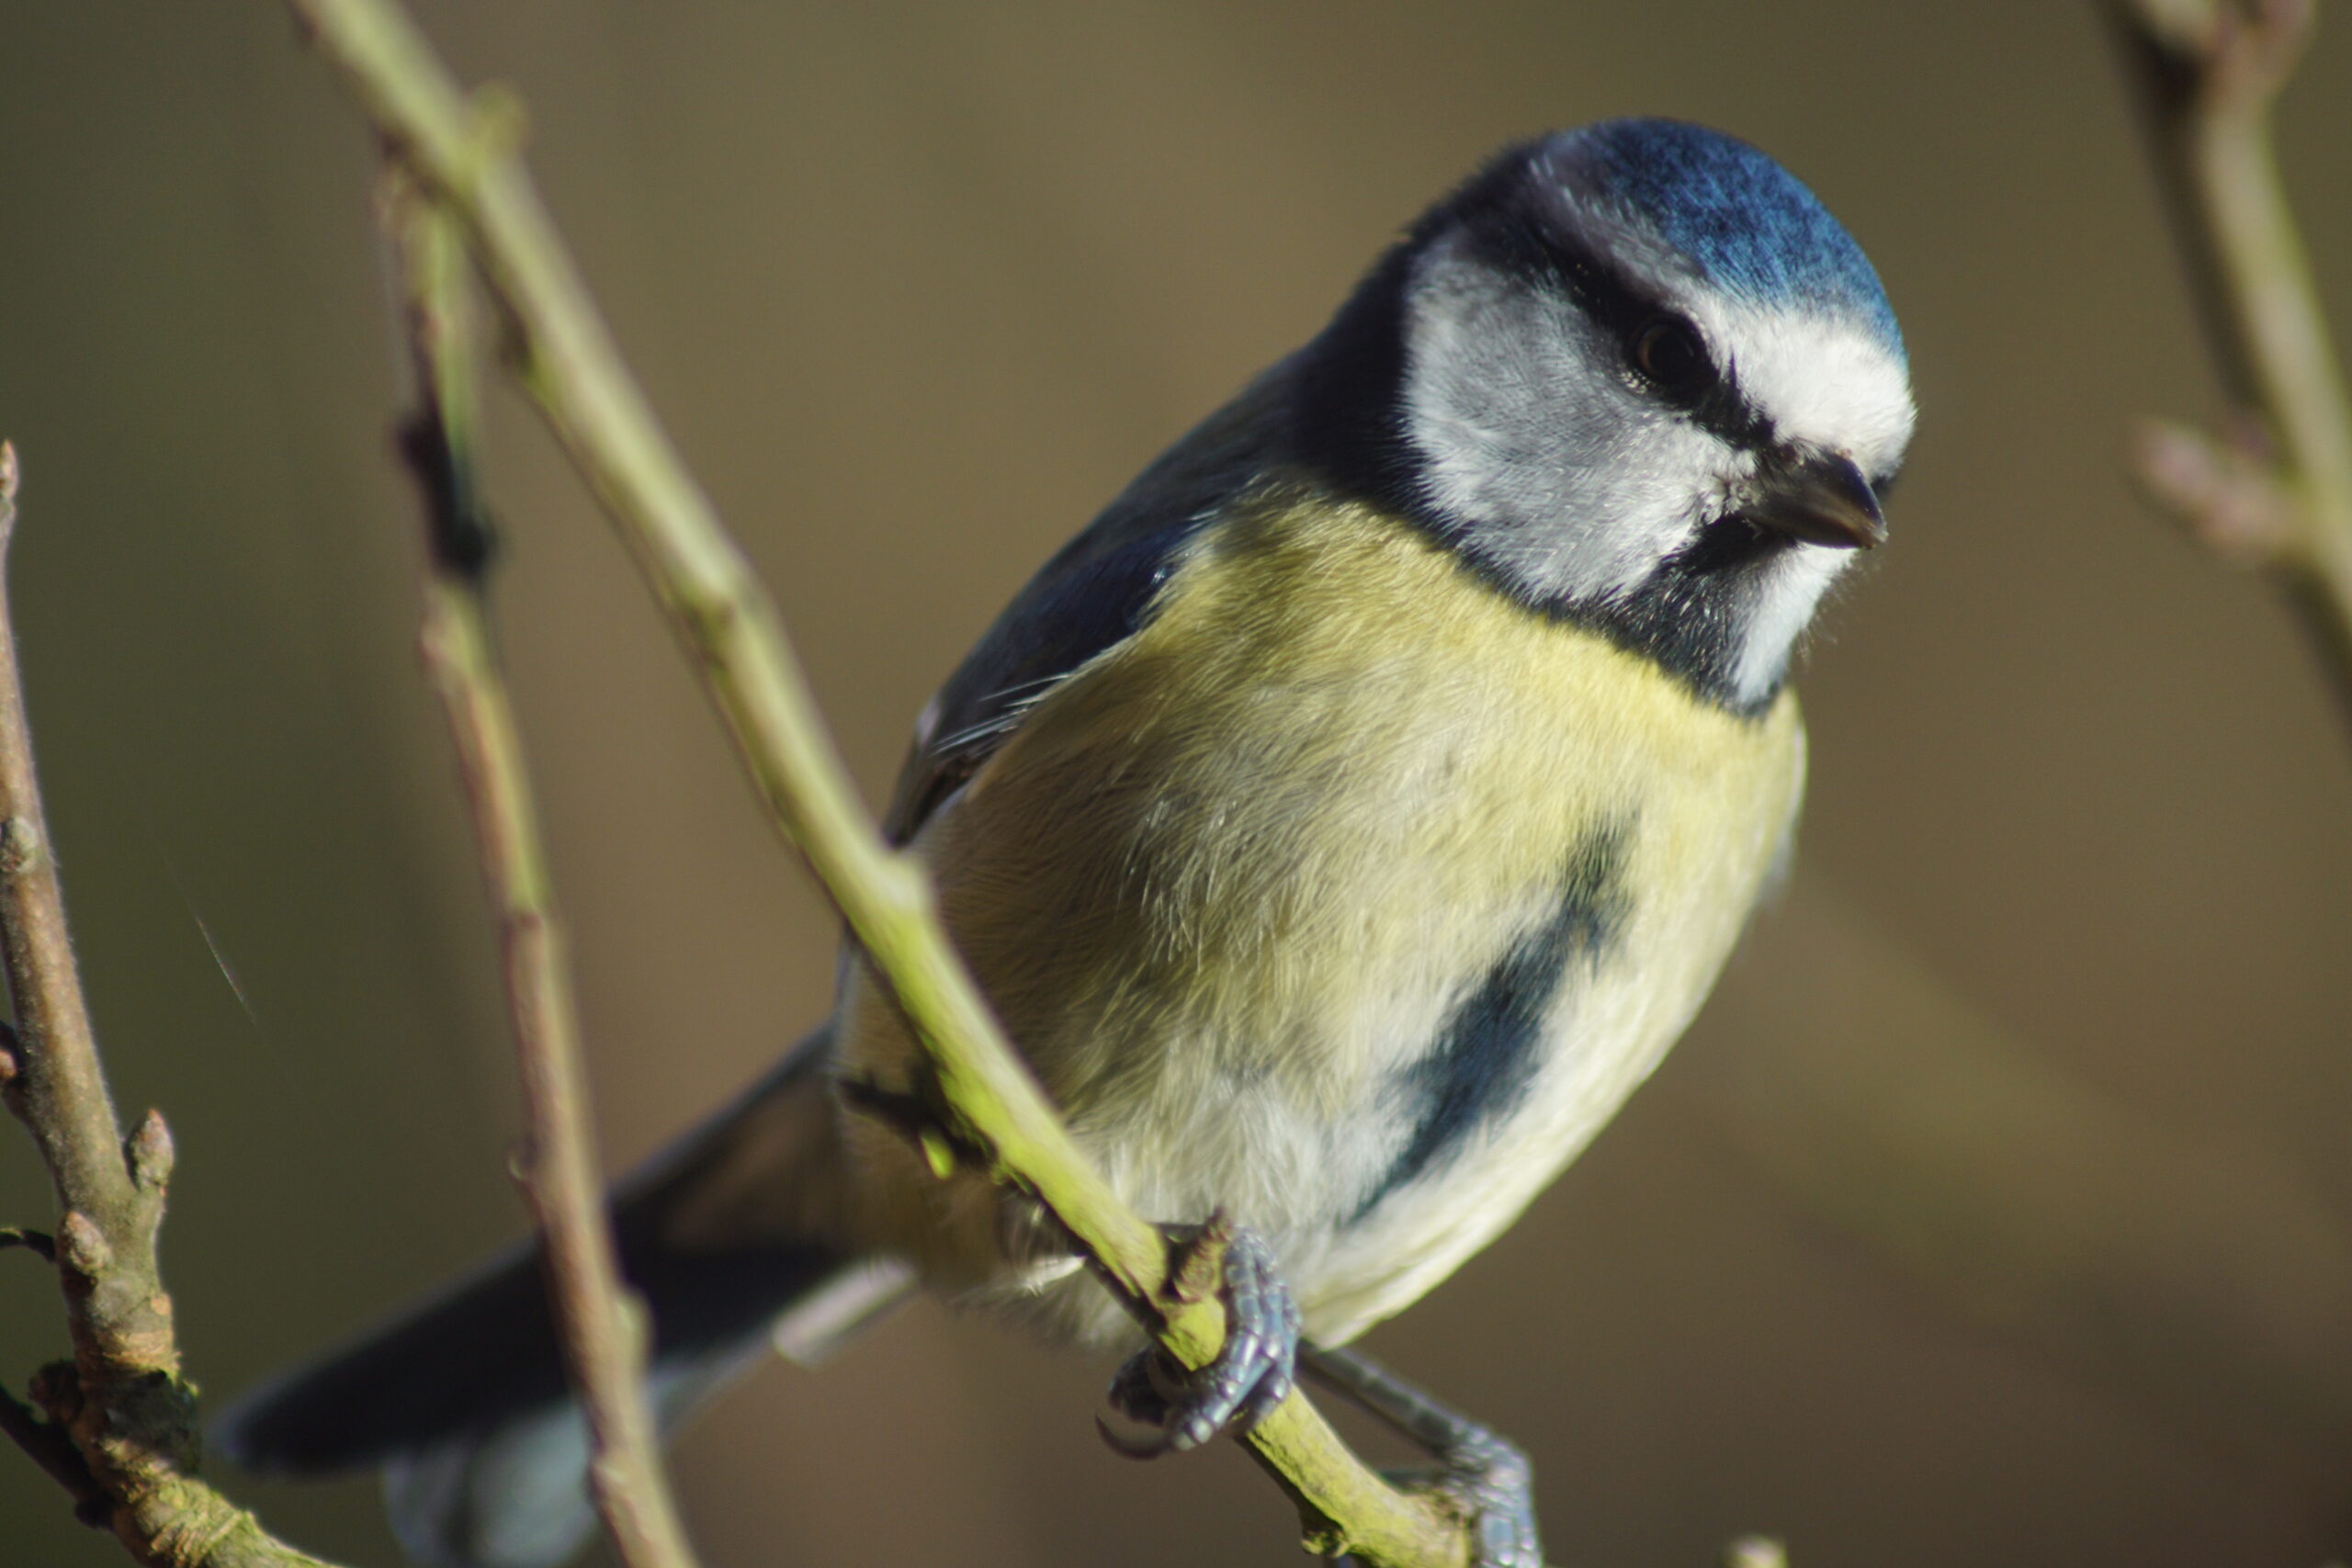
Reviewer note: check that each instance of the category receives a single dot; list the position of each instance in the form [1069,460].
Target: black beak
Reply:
[1817,499]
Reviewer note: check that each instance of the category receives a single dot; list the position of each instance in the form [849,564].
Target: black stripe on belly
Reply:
[1485,1058]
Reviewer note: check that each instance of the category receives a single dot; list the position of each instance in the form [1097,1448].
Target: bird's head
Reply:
[1639,377]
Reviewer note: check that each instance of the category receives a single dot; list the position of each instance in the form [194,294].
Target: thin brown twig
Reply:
[2276,491]
[50,1445]
[40,1243]
[730,625]
[121,1405]
[602,1328]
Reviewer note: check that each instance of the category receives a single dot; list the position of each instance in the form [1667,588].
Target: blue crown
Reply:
[1751,227]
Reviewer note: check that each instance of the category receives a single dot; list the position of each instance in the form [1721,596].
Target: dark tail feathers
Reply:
[462,1399]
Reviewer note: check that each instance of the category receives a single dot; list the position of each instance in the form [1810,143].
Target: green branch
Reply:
[456,153]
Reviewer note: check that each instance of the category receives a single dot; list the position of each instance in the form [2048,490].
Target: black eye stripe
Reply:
[1621,307]
[1726,412]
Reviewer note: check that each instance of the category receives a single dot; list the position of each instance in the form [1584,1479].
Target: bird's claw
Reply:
[1254,1370]
[1483,1478]
[1490,1480]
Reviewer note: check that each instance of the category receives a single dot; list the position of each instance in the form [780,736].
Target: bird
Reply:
[1342,825]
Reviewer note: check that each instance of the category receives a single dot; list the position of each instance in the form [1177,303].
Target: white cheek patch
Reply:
[1783,607]
[1821,381]
[1576,483]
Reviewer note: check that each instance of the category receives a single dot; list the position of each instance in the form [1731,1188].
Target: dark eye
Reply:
[1669,356]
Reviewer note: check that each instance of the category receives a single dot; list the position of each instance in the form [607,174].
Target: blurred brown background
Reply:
[1994,1209]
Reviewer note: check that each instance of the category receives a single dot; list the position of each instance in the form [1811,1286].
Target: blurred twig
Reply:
[602,1329]
[1756,1551]
[730,627]
[2276,489]
[117,1426]
[1873,1093]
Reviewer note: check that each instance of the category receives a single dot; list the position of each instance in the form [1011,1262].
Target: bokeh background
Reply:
[1995,1210]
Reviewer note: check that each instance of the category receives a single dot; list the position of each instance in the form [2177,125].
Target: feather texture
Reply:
[1239,884]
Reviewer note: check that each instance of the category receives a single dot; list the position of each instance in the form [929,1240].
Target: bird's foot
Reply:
[1486,1477]
[1254,1370]
[1490,1480]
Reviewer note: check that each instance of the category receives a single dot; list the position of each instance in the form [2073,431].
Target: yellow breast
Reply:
[1228,882]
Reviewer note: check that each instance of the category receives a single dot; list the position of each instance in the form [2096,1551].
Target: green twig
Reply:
[602,1328]
[731,630]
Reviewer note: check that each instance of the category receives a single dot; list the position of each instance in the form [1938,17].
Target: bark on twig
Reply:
[730,627]
[2277,492]
[117,1423]
[600,1326]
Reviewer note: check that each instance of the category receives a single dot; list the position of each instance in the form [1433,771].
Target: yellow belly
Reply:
[1229,882]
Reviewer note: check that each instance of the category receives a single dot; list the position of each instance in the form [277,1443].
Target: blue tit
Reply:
[1342,825]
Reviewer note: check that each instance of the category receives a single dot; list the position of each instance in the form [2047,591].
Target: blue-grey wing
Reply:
[1093,595]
